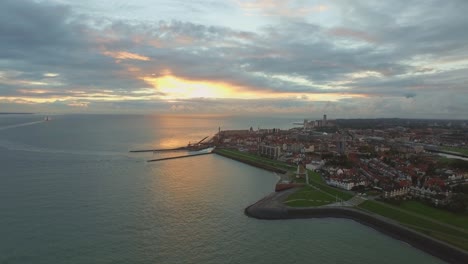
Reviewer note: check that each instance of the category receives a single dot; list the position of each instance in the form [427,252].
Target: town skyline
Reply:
[281,58]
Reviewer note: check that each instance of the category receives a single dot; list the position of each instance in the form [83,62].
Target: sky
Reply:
[298,58]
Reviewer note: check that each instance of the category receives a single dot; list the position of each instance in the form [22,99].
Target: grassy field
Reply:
[256,158]
[430,228]
[308,196]
[315,177]
[455,149]
[437,214]
[317,181]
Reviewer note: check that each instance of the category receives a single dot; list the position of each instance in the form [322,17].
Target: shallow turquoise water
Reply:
[71,193]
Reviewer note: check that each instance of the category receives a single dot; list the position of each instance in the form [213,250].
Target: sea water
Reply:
[70,192]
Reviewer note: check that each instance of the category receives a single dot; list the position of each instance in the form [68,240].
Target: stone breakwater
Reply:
[272,208]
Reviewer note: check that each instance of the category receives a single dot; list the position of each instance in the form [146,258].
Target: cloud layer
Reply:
[346,58]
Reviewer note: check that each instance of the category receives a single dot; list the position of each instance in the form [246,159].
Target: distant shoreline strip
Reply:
[4,113]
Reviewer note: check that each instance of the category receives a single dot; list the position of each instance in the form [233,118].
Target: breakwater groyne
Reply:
[272,208]
[157,150]
[179,157]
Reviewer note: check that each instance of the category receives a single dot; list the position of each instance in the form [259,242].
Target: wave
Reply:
[9,145]
[21,125]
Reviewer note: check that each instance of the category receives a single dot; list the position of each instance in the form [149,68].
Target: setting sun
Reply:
[177,88]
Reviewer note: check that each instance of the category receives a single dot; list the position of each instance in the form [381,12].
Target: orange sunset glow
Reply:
[178,88]
[175,87]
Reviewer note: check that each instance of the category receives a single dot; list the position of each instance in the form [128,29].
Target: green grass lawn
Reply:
[307,197]
[315,177]
[456,149]
[437,214]
[445,233]
[317,181]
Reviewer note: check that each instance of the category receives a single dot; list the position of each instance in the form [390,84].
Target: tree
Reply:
[431,168]
[458,203]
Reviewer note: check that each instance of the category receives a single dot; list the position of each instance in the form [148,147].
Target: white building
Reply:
[315,165]
[396,192]
[272,152]
[347,185]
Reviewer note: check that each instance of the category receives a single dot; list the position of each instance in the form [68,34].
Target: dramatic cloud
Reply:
[346,58]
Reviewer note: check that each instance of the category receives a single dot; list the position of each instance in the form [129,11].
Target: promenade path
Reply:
[430,219]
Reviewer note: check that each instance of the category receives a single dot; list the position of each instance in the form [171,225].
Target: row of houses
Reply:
[346,184]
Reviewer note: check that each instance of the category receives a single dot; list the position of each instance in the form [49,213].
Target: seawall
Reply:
[272,208]
[252,163]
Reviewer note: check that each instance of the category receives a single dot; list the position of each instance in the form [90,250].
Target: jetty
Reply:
[190,147]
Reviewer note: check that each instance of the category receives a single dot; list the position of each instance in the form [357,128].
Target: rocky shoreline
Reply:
[271,207]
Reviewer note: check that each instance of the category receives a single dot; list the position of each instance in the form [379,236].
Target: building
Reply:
[272,152]
[390,193]
[341,146]
[301,170]
[315,165]
[345,184]
[309,149]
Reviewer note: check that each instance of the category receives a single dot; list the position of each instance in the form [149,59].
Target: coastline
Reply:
[251,163]
[271,207]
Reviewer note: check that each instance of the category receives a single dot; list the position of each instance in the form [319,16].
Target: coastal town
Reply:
[393,160]
[407,178]
[404,177]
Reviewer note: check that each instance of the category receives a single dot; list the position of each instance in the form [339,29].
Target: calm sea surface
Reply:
[71,193]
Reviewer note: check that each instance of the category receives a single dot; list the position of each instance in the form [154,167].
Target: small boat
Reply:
[47,118]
